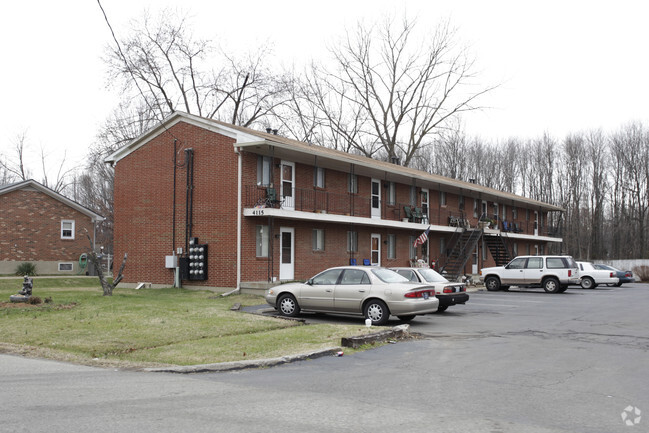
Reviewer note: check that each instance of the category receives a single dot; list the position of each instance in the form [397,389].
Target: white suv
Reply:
[553,273]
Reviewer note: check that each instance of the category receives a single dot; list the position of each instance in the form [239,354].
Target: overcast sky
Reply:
[565,66]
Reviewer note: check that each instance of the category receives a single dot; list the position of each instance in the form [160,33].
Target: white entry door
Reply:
[286,253]
[288,185]
[375,252]
[376,198]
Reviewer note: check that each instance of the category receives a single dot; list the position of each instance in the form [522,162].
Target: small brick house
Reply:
[41,226]
[266,209]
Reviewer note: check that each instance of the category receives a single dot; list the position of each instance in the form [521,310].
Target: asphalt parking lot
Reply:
[518,361]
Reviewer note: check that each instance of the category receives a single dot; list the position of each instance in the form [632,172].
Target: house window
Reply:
[263,170]
[67,229]
[392,193]
[514,213]
[413,196]
[352,184]
[461,202]
[392,246]
[475,208]
[319,177]
[262,241]
[352,242]
[442,198]
[515,249]
[65,267]
[442,246]
[527,214]
[318,240]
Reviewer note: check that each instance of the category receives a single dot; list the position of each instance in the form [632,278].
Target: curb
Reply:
[242,365]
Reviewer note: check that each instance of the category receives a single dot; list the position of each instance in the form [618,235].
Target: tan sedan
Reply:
[373,292]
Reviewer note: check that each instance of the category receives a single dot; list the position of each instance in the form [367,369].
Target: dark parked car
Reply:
[448,293]
[623,276]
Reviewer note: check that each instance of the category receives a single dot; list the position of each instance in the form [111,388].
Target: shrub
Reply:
[26,268]
[35,300]
[641,272]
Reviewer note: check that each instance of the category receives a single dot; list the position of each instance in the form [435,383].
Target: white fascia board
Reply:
[171,121]
[55,195]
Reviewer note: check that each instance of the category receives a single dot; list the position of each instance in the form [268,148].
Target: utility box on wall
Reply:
[194,265]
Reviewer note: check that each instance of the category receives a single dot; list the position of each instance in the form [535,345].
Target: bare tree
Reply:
[389,92]
[15,168]
[171,70]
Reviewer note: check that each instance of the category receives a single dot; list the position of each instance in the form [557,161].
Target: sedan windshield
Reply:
[432,276]
[388,276]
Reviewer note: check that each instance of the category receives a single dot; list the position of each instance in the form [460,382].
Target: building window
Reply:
[63,267]
[392,246]
[442,246]
[67,229]
[527,214]
[413,195]
[262,241]
[442,198]
[263,170]
[352,242]
[413,249]
[392,193]
[319,177]
[352,184]
[514,213]
[515,249]
[318,240]
[475,208]
[461,202]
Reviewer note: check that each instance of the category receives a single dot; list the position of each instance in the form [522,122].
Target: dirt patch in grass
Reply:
[25,305]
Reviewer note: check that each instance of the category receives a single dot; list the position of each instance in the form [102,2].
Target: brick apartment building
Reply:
[41,226]
[266,208]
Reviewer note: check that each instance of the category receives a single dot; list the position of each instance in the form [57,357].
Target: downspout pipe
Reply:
[239,221]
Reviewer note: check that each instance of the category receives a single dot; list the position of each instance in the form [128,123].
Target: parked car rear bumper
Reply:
[452,299]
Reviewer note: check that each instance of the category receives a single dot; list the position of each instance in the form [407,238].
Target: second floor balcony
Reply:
[318,201]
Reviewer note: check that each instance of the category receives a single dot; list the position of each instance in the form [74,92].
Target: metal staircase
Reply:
[498,249]
[461,247]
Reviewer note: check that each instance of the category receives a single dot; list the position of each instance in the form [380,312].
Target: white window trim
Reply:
[262,241]
[66,263]
[63,222]
[318,240]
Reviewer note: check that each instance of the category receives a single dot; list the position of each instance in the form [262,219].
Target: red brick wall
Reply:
[144,187]
[30,227]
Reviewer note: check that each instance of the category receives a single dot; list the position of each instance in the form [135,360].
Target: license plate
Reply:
[426,295]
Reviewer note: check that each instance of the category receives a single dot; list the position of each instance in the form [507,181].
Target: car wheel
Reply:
[551,285]
[288,306]
[407,318]
[587,283]
[377,312]
[492,284]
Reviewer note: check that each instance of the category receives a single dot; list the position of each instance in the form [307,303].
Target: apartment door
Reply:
[375,198]
[375,252]
[288,185]
[424,205]
[286,253]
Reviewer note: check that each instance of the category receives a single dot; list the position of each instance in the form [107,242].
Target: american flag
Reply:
[422,238]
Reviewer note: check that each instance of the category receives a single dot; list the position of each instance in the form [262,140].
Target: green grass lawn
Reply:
[149,327]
